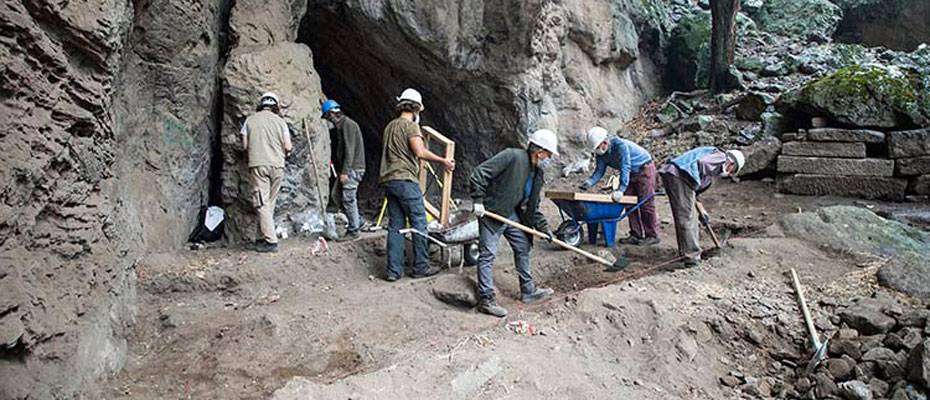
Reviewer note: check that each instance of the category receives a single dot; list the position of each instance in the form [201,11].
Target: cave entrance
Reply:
[365,63]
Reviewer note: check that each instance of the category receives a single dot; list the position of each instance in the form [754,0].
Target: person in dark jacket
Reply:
[348,158]
[687,176]
[509,184]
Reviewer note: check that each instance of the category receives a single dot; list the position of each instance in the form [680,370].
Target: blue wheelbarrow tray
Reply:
[599,216]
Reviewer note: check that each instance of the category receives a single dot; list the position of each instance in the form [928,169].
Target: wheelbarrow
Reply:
[461,231]
[598,211]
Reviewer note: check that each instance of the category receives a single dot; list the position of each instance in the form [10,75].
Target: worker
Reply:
[687,176]
[509,185]
[403,148]
[348,159]
[267,141]
[637,178]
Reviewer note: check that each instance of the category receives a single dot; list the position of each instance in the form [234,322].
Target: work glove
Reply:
[704,218]
[616,196]
[478,209]
[584,186]
[549,235]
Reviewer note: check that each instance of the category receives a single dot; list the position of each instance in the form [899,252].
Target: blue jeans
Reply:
[405,202]
[490,232]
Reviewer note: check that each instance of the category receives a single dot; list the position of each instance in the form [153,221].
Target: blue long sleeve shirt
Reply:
[624,156]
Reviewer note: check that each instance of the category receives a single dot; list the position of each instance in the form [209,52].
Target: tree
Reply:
[722,44]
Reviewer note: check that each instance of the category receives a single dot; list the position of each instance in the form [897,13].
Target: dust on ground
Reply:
[231,323]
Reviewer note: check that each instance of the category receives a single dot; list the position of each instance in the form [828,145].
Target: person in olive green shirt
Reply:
[267,140]
[403,147]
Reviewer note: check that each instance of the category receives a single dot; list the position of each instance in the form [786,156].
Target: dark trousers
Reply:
[405,202]
[644,223]
[490,232]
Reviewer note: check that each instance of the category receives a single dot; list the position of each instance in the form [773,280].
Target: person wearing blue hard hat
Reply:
[348,162]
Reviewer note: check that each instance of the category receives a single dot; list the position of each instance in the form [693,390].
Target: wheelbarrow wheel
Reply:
[569,232]
[470,251]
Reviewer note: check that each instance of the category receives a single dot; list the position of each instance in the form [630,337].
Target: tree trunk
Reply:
[722,44]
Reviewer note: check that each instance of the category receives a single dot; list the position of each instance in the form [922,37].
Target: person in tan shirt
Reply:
[267,141]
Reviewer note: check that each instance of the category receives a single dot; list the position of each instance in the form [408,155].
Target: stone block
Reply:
[919,185]
[913,143]
[911,166]
[845,135]
[866,187]
[824,149]
[836,166]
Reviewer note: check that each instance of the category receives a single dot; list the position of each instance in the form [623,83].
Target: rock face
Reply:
[490,71]
[866,187]
[895,24]
[824,149]
[814,18]
[836,166]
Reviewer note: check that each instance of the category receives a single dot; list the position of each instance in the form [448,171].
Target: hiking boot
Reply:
[630,240]
[391,278]
[348,237]
[490,307]
[649,241]
[536,295]
[425,274]
[265,247]
[692,263]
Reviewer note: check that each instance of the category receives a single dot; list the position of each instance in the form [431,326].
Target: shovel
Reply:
[820,349]
[616,265]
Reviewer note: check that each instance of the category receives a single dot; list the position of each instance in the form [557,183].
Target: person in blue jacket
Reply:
[637,178]
[687,176]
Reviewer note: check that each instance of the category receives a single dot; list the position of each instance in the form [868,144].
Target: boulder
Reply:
[879,387]
[867,320]
[914,318]
[866,187]
[824,386]
[863,96]
[839,368]
[855,390]
[847,347]
[919,185]
[845,135]
[912,143]
[836,166]
[911,337]
[760,155]
[824,149]
[912,166]
[887,363]
[918,364]
[807,18]
[895,24]
[455,290]
[908,274]
[751,107]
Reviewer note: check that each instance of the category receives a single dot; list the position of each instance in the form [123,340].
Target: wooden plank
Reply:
[447,187]
[431,209]
[442,213]
[593,197]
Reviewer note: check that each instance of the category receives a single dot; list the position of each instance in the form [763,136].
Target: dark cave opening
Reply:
[365,64]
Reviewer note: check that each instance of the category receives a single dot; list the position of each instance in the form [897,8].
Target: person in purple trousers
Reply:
[637,178]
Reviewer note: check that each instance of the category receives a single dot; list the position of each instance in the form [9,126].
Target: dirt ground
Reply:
[230,323]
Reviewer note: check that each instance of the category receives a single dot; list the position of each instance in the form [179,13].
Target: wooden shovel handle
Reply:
[534,232]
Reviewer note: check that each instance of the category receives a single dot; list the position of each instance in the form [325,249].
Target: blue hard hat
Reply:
[329,105]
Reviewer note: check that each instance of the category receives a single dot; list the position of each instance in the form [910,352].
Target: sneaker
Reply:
[538,294]
[425,274]
[692,263]
[631,240]
[391,278]
[348,237]
[490,307]
[265,247]
[649,241]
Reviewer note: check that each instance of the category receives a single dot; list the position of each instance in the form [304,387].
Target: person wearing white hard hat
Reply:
[637,178]
[509,184]
[687,176]
[403,148]
[267,141]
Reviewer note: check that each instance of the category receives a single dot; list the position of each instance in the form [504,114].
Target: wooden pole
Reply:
[534,232]
[316,172]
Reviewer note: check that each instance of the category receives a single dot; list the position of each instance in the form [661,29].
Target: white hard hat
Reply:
[411,95]
[269,99]
[596,136]
[738,158]
[547,140]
